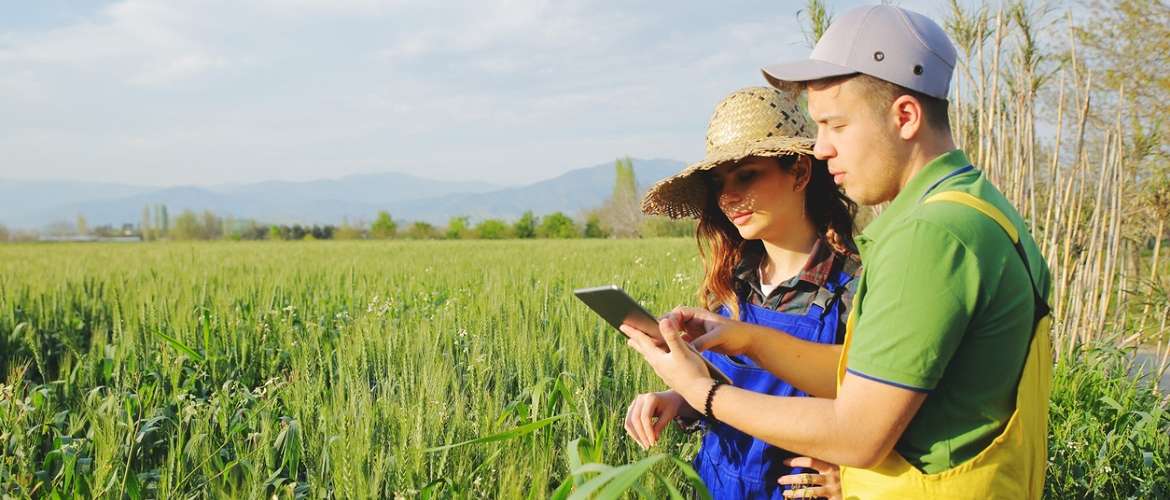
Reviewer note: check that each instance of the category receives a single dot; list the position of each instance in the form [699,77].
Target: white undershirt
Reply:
[767,289]
[764,287]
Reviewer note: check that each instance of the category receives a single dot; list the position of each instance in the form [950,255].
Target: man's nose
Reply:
[823,150]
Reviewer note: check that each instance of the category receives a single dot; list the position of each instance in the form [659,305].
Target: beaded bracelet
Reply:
[710,396]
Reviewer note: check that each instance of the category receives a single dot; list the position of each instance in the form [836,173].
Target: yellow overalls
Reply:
[1013,465]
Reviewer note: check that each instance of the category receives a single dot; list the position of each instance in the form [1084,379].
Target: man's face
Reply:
[860,143]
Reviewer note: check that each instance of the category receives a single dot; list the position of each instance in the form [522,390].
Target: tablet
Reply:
[617,308]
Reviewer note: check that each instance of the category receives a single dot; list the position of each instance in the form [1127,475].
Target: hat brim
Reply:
[785,76]
[684,194]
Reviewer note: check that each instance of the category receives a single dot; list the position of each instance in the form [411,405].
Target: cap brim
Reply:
[785,75]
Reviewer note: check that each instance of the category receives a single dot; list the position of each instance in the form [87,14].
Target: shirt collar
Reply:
[816,269]
[749,264]
[910,194]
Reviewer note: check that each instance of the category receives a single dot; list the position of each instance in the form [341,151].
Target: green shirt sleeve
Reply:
[922,286]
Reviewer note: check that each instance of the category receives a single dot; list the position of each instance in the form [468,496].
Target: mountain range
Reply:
[32,204]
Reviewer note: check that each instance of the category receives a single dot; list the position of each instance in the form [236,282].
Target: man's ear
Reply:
[908,117]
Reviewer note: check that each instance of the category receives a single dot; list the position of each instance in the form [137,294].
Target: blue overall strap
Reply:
[829,296]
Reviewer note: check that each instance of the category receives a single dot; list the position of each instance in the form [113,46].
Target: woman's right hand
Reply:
[708,330]
[650,412]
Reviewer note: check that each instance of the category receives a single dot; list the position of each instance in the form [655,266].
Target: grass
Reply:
[318,369]
[401,369]
[1109,433]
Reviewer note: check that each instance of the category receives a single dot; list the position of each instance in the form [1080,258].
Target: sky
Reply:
[509,92]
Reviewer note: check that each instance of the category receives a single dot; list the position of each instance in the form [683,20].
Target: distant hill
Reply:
[571,192]
[30,204]
[364,188]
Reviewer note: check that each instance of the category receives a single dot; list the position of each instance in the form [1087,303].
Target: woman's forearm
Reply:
[808,366]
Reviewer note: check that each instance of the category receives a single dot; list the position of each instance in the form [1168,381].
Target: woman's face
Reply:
[758,197]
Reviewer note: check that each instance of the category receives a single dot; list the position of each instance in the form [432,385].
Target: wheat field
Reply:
[390,369]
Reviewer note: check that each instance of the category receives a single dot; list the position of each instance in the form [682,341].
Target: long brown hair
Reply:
[722,248]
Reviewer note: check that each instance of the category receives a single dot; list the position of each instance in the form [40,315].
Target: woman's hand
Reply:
[707,330]
[680,367]
[826,483]
[650,412]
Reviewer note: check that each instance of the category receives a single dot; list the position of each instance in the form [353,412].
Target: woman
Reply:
[775,235]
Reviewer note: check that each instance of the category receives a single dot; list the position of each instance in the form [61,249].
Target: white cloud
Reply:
[298,8]
[143,42]
[21,85]
[175,68]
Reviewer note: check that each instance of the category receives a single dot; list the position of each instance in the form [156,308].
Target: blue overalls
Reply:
[735,465]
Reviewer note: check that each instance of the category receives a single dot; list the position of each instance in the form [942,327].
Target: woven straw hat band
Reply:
[755,121]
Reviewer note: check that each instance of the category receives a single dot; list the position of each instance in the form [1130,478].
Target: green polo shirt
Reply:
[945,307]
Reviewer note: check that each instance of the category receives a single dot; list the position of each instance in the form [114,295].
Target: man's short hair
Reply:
[880,94]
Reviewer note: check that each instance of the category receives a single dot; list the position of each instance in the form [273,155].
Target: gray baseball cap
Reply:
[883,41]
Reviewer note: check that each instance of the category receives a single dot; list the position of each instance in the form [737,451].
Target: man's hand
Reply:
[680,367]
[707,330]
[807,365]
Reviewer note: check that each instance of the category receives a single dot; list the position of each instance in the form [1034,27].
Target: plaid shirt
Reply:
[796,294]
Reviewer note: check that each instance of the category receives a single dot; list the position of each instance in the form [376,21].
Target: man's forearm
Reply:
[808,366]
[807,426]
[858,428]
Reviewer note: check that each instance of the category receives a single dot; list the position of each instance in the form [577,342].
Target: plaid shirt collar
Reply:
[815,271]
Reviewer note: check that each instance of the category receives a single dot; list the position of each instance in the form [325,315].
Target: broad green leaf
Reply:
[509,434]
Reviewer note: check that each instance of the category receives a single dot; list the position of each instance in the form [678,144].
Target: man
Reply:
[941,388]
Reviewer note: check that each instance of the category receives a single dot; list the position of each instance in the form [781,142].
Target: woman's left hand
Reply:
[680,367]
[826,483]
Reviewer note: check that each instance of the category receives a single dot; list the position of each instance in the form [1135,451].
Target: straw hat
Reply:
[755,121]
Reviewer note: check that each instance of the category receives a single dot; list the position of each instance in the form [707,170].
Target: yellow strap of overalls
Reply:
[1042,307]
[980,205]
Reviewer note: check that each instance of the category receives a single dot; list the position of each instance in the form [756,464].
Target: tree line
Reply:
[189,225]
